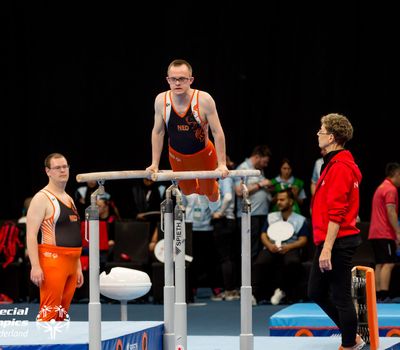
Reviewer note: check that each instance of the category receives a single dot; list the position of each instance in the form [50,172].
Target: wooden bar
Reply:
[113,175]
[163,175]
[191,175]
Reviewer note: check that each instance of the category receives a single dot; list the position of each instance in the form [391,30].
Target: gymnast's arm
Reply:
[210,111]
[157,134]
[34,218]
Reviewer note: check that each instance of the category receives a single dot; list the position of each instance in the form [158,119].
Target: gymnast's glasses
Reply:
[60,167]
[180,80]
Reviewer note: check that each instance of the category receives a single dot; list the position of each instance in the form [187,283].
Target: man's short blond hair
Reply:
[180,62]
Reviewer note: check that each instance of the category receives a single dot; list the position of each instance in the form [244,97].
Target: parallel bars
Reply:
[170,317]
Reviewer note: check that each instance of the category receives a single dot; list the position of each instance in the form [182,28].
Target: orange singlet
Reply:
[59,254]
[189,146]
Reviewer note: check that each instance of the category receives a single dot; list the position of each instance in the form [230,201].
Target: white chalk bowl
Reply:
[124,284]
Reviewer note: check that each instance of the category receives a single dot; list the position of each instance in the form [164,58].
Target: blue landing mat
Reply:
[74,335]
[279,343]
[309,317]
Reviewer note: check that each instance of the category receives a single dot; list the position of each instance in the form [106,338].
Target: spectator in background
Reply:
[147,198]
[384,230]
[316,171]
[203,267]
[153,241]
[284,180]
[224,222]
[285,261]
[259,194]
[22,221]
[83,194]
[27,202]
[107,218]
[108,215]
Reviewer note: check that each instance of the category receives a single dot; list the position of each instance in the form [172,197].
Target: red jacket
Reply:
[337,197]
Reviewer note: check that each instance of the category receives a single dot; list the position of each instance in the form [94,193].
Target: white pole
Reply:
[246,320]
[169,288]
[92,215]
[124,310]
[180,280]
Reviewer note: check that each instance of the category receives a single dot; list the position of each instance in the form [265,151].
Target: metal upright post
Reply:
[124,310]
[246,335]
[169,288]
[180,281]
[92,215]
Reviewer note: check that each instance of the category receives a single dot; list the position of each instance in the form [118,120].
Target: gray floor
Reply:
[212,325]
[205,317]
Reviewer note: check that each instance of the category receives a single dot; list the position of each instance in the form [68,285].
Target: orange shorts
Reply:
[60,266]
[205,159]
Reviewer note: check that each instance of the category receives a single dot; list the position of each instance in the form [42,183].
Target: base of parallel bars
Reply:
[169,341]
[169,306]
[246,342]
[94,325]
[181,325]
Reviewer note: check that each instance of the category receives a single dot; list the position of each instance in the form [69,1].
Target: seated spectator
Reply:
[107,214]
[224,223]
[284,262]
[107,218]
[82,198]
[284,180]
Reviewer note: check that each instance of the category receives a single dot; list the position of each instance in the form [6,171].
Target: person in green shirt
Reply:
[284,180]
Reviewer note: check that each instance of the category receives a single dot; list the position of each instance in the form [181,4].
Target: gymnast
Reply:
[188,113]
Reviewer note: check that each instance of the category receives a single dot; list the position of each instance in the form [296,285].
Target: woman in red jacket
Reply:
[334,212]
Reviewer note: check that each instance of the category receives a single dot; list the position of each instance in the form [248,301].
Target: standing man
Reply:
[187,114]
[335,207]
[384,230]
[259,194]
[56,267]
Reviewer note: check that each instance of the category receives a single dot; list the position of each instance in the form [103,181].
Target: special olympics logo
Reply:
[53,327]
